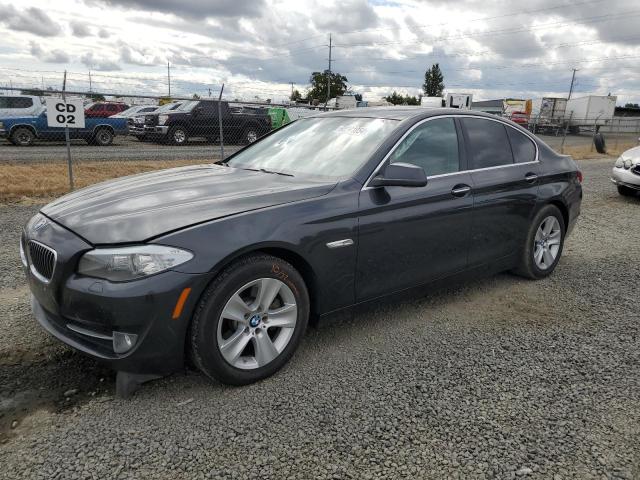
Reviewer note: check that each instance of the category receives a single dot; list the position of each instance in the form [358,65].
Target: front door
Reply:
[412,235]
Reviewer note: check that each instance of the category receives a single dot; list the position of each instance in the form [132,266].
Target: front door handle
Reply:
[530,177]
[460,190]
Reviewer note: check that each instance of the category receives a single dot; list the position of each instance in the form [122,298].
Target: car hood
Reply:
[139,207]
[633,154]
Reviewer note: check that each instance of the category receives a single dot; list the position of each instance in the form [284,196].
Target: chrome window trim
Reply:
[424,120]
[33,269]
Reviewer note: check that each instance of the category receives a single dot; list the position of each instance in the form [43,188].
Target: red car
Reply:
[521,118]
[104,109]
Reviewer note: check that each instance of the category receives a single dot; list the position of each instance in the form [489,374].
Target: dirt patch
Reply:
[18,181]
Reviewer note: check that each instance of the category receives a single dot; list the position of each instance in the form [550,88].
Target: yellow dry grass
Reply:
[583,152]
[21,182]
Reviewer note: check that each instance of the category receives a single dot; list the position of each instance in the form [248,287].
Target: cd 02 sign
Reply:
[65,113]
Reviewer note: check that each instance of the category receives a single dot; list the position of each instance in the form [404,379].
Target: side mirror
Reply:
[400,175]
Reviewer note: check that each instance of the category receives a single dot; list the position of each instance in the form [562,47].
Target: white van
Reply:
[20,106]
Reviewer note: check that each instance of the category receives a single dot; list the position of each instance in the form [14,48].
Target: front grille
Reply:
[42,259]
[151,120]
[636,169]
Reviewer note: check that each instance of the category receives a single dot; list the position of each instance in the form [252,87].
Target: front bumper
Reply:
[89,314]
[3,133]
[624,177]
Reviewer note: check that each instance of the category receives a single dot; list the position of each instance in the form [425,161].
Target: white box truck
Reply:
[431,102]
[547,114]
[592,111]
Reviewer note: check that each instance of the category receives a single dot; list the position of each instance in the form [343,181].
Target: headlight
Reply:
[619,162]
[1,126]
[162,119]
[23,257]
[627,163]
[129,263]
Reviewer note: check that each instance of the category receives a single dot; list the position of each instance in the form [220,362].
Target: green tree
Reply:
[96,97]
[631,105]
[32,92]
[433,85]
[196,96]
[318,80]
[296,96]
[399,99]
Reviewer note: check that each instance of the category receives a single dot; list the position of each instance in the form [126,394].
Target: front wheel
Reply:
[250,135]
[22,137]
[250,320]
[545,241]
[177,136]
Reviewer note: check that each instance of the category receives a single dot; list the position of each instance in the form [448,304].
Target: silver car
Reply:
[626,172]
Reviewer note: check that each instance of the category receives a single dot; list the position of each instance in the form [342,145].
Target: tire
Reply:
[102,138]
[23,137]
[249,135]
[626,191]
[598,140]
[249,338]
[177,135]
[141,138]
[528,266]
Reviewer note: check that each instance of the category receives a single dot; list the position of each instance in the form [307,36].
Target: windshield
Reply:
[168,106]
[333,147]
[188,106]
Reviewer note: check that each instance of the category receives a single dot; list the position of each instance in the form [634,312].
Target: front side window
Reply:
[432,146]
[328,147]
[487,143]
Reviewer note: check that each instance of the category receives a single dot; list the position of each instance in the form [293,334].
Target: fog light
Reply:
[123,342]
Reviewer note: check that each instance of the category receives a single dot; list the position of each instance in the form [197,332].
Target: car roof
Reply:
[401,113]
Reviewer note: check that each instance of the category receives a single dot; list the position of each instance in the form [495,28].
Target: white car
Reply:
[135,111]
[626,172]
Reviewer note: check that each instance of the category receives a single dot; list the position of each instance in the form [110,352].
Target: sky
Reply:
[490,48]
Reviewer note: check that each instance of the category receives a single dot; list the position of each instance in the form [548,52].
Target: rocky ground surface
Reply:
[498,378]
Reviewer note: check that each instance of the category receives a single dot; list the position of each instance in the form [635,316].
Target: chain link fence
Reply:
[125,136]
[137,133]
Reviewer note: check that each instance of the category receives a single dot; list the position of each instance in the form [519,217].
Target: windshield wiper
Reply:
[267,171]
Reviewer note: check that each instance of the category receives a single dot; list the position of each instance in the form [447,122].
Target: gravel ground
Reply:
[499,378]
[123,149]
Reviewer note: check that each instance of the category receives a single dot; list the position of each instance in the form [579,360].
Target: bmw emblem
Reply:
[255,320]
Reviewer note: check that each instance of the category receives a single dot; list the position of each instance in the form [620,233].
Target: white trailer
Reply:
[459,100]
[431,102]
[548,114]
[592,111]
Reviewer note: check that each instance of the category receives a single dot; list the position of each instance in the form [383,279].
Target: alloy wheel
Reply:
[179,136]
[547,242]
[257,323]
[252,136]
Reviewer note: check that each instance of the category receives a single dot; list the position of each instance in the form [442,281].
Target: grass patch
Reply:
[19,182]
[583,152]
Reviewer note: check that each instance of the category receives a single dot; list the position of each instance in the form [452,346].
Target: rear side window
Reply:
[488,144]
[16,102]
[523,148]
[112,108]
[432,146]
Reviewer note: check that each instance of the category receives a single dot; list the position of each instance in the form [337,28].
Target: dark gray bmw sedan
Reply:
[225,264]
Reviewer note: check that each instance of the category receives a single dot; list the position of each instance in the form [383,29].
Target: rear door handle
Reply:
[460,190]
[531,177]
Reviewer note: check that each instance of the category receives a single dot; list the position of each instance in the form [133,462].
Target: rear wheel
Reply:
[102,138]
[545,241]
[177,136]
[626,191]
[250,135]
[23,137]
[250,320]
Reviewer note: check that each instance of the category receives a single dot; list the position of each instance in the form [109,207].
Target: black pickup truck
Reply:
[199,118]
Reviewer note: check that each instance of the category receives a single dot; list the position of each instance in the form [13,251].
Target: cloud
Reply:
[100,64]
[136,57]
[53,56]
[32,20]
[195,8]
[79,29]
[102,33]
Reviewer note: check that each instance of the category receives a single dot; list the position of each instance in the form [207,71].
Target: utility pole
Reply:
[573,78]
[169,78]
[291,97]
[329,74]
[89,80]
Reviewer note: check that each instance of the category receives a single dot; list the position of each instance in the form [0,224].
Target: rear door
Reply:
[412,235]
[504,171]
